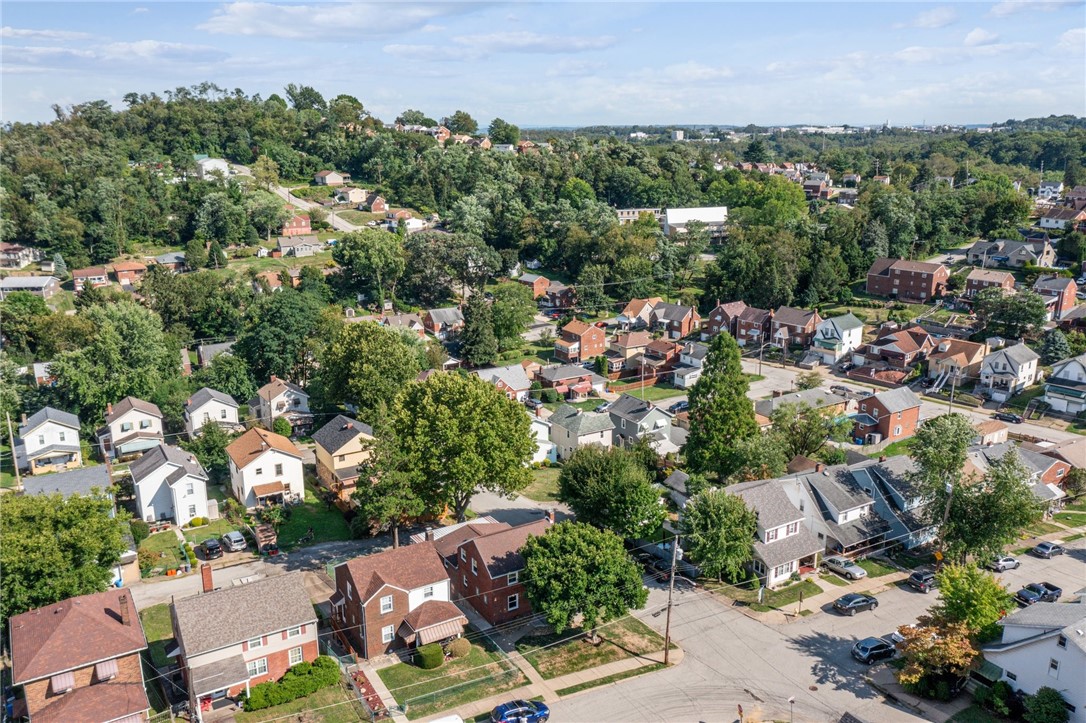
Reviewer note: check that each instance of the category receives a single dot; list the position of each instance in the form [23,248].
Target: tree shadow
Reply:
[833,665]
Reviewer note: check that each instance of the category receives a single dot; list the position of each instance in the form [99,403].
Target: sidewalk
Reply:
[882,679]
[830,592]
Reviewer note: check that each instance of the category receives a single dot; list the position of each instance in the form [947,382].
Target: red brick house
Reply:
[980,279]
[538,284]
[129,272]
[1059,293]
[79,660]
[752,328]
[578,341]
[794,327]
[394,599]
[486,571]
[723,317]
[675,320]
[897,347]
[909,280]
[232,638]
[374,203]
[887,417]
[299,225]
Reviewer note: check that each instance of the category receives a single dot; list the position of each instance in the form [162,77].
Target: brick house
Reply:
[340,447]
[794,327]
[892,415]
[1059,294]
[232,638]
[896,347]
[129,272]
[299,225]
[79,660]
[538,284]
[486,571]
[578,341]
[638,312]
[675,320]
[394,599]
[444,323]
[910,280]
[723,317]
[752,328]
[980,279]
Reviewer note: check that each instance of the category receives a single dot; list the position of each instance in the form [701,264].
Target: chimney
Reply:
[882,457]
[429,534]
[274,378]
[205,577]
[350,425]
[24,417]
[126,611]
[777,393]
[109,407]
[550,515]
[819,467]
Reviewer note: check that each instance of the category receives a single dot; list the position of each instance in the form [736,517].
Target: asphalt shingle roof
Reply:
[898,400]
[155,457]
[73,482]
[579,422]
[128,404]
[768,501]
[631,408]
[48,414]
[205,395]
[340,431]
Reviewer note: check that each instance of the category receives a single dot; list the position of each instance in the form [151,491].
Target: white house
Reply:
[1065,388]
[1044,645]
[572,428]
[691,359]
[545,449]
[784,546]
[1049,190]
[170,485]
[676,220]
[835,338]
[49,442]
[206,406]
[265,467]
[280,398]
[132,426]
[206,168]
[1005,372]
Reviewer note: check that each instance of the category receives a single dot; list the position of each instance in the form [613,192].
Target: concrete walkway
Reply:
[882,679]
[824,599]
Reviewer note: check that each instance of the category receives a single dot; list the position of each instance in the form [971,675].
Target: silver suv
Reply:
[844,567]
[234,541]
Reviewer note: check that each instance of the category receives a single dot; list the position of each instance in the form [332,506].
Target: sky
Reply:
[568,63]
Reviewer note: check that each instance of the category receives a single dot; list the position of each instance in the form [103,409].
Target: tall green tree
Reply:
[386,499]
[1055,347]
[216,258]
[513,311]
[56,548]
[21,314]
[502,132]
[228,374]
[761,456]
[720,412]
[266,212]
[460,435]
[372,260]
[367,365]
[718,532]
[612,489]
[478,344]
[804,430]
[275,335]
[756,151]
[576,573]
[210,448]
[265,173]
[1010,315]
[461,123]
[196,253]
[969,595]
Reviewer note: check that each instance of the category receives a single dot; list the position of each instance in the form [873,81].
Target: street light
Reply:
[791,708]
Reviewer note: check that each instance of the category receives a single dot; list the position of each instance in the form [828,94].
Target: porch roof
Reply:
[207,679]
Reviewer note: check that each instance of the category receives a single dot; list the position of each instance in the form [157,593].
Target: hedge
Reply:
[460,647]
[430,656]
[298,682]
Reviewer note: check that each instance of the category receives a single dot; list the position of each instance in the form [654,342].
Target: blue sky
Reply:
[569,63]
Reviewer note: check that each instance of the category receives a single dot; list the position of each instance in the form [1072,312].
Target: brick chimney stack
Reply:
[430,534]
[24,417]
[550,515]
[882,457]
[109,407]
[819,467]
[126,611]
[205,577]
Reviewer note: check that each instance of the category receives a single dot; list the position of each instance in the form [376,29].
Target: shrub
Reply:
[549,396]
[301,680]
[1045,706]
[147,559]
[430,656]
[460,647]
[140,531]
[282,427]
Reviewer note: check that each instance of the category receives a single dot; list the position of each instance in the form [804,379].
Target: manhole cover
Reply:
[812,687]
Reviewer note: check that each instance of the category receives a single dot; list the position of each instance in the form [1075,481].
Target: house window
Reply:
[1061,642]
[1060,471]
[41,439]
[189,489]
[513,602]
[793,528]
[145,424]
[192,511]
[771,535]
[256,643]
[349,596]
[297,402]
[388,633]
[258,667]
[126,427]
[278,470]
[61,436]
[1053,668]
[386,604]
[342,458]
[463,555]
[512,578]
[897,430]
[295,656]
[294,632]
[474,567]
[782,570]
[863,407]
[259,471]
[222,414]
[465,582]
[428,591]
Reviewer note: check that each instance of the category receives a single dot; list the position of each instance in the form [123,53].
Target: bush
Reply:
[996,699]
[198,521]
[301,680]
[430,656]
[1045,706]
[549,396]
[147,559]
[460,647]
[282,427]
[140,531]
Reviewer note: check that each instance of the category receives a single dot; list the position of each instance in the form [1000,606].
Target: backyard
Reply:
[167,550]
[334,704]
[625,638]
[650,394]
[481,673]
[544,485]
[7,473]
[326,521]
[158,628]
[215,528]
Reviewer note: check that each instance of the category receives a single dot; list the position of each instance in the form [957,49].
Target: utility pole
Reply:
[14,464]
[670,594]
[953,386]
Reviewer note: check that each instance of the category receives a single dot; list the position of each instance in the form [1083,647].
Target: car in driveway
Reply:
[521,711]
[1048,550]
[872,650]
[844,567]
[211,548]
[1002,564]
[1008,417]
[603,407]
[854,603]
[922,580]
[1037,592]
[234,541]
[677,407]
[533,403]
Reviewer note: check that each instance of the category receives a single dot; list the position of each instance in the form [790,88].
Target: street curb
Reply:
[893,698]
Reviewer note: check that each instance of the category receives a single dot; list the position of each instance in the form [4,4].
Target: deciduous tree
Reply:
[385,498]
[1047,705]
[804,430]
[718,532]
[971,596]
[275,334]
[1010,315]
[931,650]
[612,489]
[372,260]
[513,310]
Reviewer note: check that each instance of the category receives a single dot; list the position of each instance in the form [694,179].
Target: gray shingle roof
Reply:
[897,400]
[128,404]
[792,316]
[155,457]
[1052,283]
[172,257]
[74,482]
[768,501]
[846,322]
[228,616]
[695,350]
[205,395]
[671,312]
[816,398]
[790,548]
[569,371]
[1021,353]
[206,352]
[579,422]
[451,315]
[836,486]
[48,414]
[17,283]
[631,408]
[513,376]
[340,431]
[1067,618]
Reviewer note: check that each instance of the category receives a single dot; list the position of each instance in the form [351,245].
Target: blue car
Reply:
[515,711]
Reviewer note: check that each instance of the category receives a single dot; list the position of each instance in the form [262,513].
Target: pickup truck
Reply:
[1038,592]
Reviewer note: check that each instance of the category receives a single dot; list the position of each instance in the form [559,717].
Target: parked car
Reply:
[845,567]
[517,711]
[1048,550]
[1038,592]
[603,407]
[212,549]
[1001,564]
[922,580]
[846,366]
[853,603]
[872,650]
[678,407]
[533,403]
[234,541]
[1008,417]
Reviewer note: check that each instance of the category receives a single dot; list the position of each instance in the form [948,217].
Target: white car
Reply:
[1003,563]
[844,567]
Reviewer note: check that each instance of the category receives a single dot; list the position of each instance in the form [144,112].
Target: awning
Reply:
[337,599]
[220,675]
[62,682]
[272,488]
[106,669]
[440,631]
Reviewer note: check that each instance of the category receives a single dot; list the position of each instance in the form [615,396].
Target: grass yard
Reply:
[334,704]
[1039,528]
[480,674]
[1071,519]
[166,546]
[833,579]
[7,468]
[588,405]
[536,351]
[613,678]
[774,599]
[159,630]
[1078,505]
[650,394]
[625,638]
[327,522]
[974,714]
[875,568]
[902,446]
[1019,401]
[544,485]
[359,218]
[215,528]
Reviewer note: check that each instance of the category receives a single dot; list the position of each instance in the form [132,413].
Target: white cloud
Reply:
[1013,7]
[156,50]
[28,33]
[980,36]
[574,68]
[137,11]
[528,42]
[934,18]
[431,53]
[693,71]
[1073,41]
[321,21]
[917,54]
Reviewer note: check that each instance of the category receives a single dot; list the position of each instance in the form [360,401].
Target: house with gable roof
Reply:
[1059,294]
[783,545]
[48,442]
[691,361]
[794,327]
[573,428]
[897,347]
[409,322]
[512,380]
[753,327]
[394,599]
[131,427]
[909,280]
[723,317]
[1007,371]
[444,323]
[887,417]
[280,398]
[341,446]
[538,284]
[835,338]
[1065,388]
[637,314]
[578,341]
[635,419]
[264,468]
[956,359]
[980,279]
[170,484]
[1046,474]
[208,406]
[676,321]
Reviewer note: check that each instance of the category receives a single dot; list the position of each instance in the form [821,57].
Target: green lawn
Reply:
[167,547]
[623,639]
[215,528]
[7,469]
[833,579]
[1020,401]
[1071,519]
[650,394]
[334,704]
[902,446]
[613,678]
[480,674]
[1040,528]
[875,568]
[1078,505]
[973,714]
[774,599]
[359,218]
[328,523]
[544,485]
[158,628]
[536,351]
[588,405]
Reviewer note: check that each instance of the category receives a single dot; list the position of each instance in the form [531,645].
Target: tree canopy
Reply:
[718,532]
[611,489]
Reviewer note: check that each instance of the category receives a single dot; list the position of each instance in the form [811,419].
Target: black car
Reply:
[679,407]
[212,549]
[1008,417]
[922,581]
[872,650]
[853,603]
